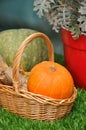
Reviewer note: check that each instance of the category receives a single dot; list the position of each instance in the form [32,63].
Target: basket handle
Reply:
[16,63]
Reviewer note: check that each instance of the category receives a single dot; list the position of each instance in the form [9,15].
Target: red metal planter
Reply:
[75,57]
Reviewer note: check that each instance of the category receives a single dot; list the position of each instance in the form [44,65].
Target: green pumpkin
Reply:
[10,41]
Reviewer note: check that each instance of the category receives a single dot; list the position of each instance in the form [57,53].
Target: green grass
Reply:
[75,120]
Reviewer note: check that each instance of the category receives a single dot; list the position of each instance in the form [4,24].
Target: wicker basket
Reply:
[27,104]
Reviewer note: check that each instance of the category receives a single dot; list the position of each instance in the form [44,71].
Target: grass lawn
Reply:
[75,120]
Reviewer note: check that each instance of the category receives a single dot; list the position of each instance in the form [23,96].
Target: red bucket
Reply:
[75,57]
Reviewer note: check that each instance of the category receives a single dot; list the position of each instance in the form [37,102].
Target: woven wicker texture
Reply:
[27,104]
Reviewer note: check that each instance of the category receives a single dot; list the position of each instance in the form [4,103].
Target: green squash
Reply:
[10,41]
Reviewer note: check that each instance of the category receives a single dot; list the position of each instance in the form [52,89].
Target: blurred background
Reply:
[20,14]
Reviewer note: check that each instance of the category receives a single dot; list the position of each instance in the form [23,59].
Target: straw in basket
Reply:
[30,105]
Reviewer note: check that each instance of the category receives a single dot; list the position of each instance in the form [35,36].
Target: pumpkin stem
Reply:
[52,68]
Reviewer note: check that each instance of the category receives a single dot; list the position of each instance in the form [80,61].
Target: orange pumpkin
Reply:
[51,79]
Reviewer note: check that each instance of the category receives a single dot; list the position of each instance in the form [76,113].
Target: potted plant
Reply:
[70,17]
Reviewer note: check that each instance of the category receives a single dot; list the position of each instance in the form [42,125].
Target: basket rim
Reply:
[39,98]
[48,100]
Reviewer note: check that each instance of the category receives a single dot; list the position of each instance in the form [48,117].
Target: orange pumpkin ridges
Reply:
[51,79]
